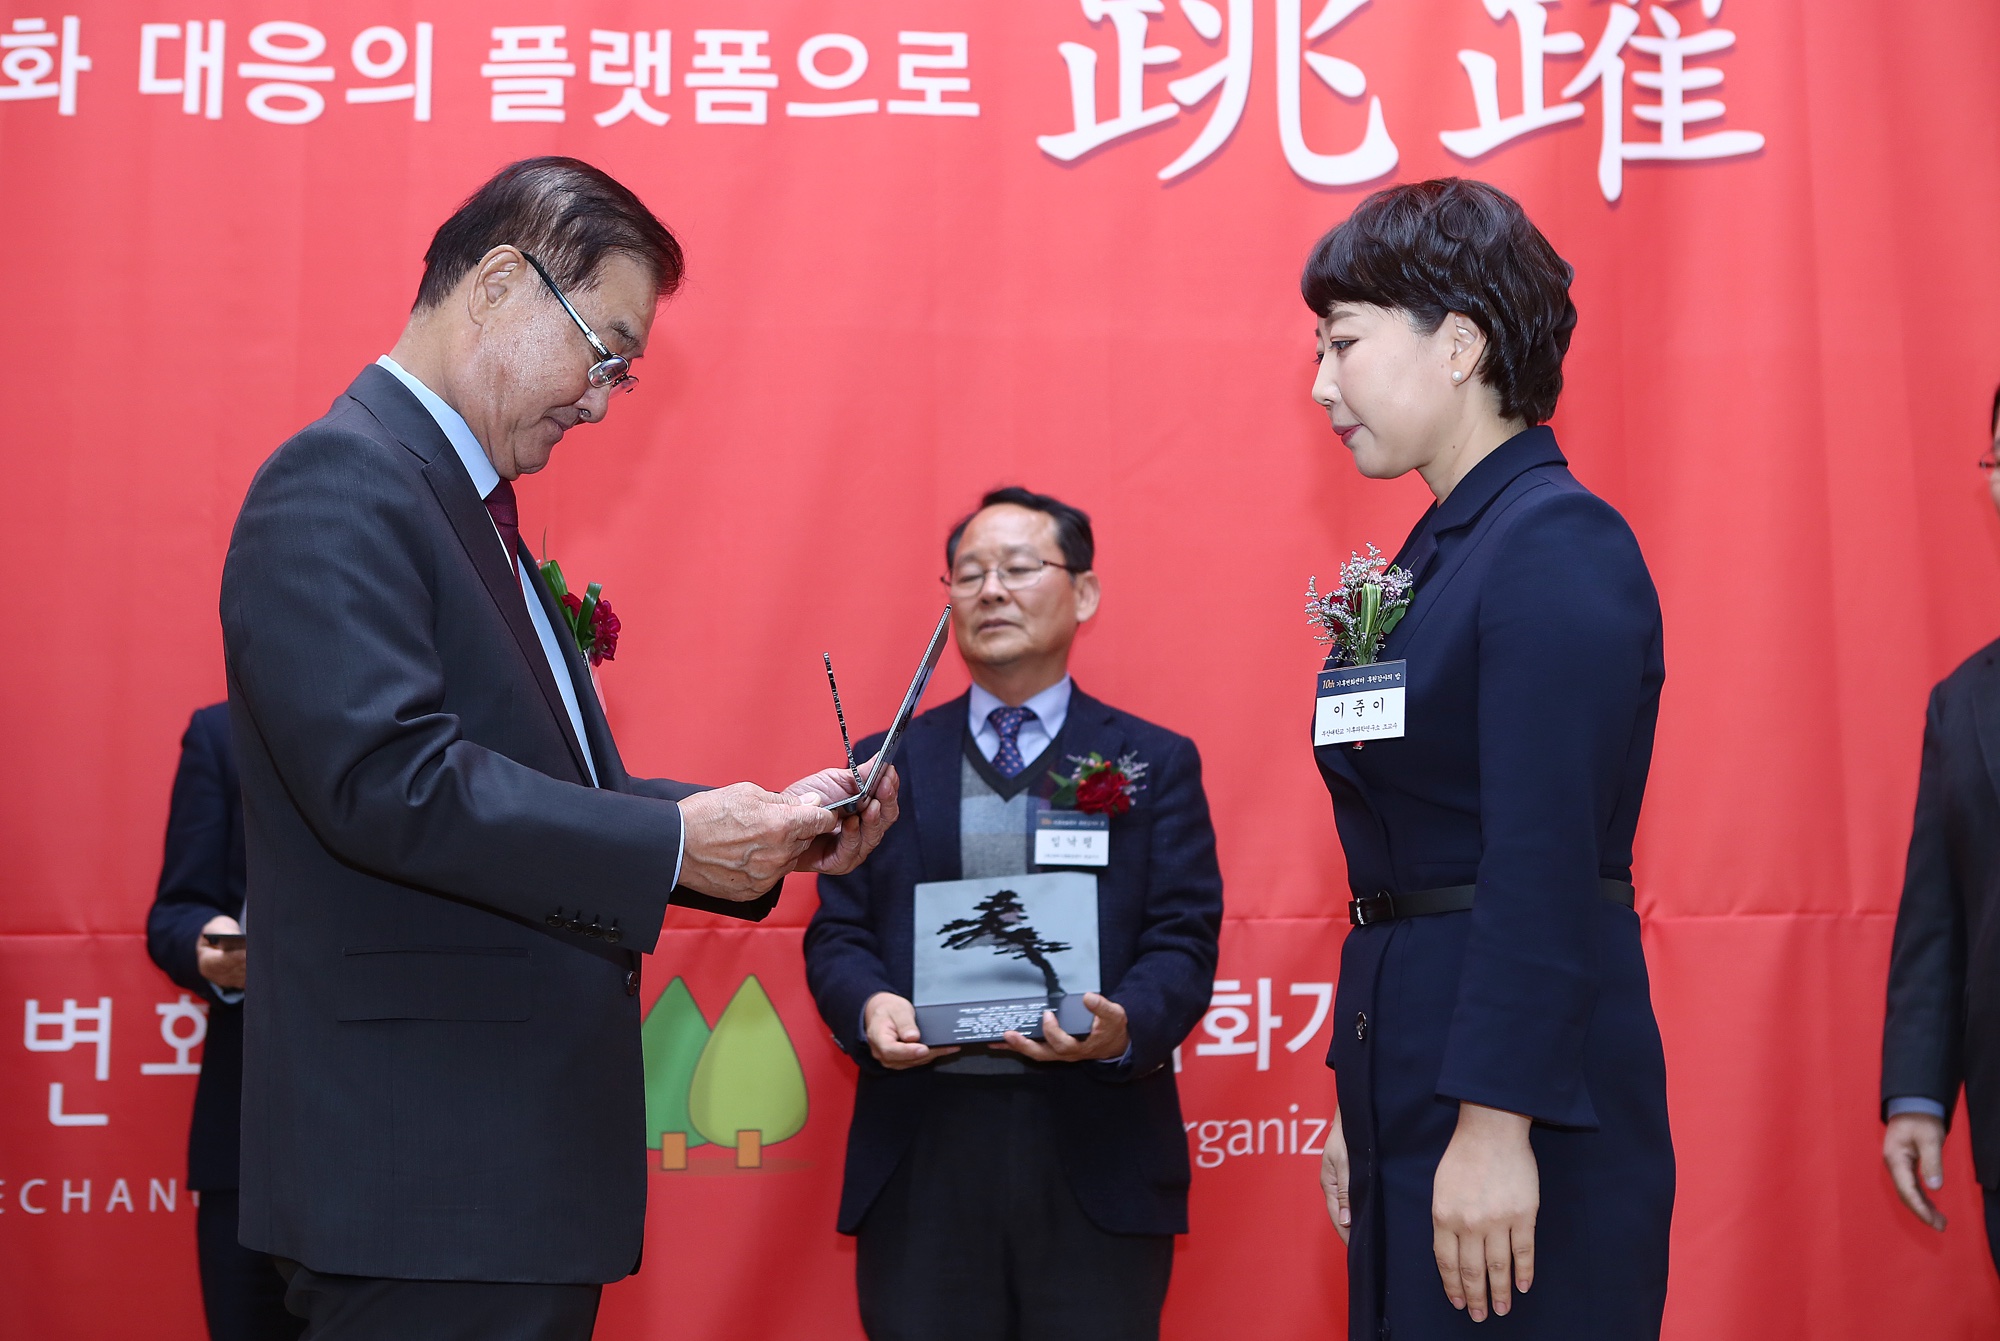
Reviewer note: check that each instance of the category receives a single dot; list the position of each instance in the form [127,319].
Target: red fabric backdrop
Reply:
[1780,376]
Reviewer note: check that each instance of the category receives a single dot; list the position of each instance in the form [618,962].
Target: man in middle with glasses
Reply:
[1028,1187]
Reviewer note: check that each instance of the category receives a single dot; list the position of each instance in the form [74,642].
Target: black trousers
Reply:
[242,1293]
[368,1308]
[977,1237]
[1992,1224]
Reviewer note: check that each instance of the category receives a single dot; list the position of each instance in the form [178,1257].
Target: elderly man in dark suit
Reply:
[1943,1025]
[1031,1189]
[201,892]
[451,873]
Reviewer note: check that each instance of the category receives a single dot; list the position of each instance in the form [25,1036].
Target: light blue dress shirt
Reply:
[484,479]
[1051,709]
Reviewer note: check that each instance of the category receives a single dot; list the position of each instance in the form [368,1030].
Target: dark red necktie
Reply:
[506,517]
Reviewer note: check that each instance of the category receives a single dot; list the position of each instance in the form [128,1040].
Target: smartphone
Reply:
[222,940]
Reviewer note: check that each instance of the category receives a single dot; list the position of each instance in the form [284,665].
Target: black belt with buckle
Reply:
[1386,907]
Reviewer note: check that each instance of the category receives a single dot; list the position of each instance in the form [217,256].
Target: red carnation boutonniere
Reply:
[588,616]
[1099,786]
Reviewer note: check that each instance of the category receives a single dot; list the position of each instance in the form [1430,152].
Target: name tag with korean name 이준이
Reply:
[1360,703]
[1072,838]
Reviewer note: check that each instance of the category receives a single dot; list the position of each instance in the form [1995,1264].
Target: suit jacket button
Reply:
[614,935]
[554,919]
[632,983]
[1361,1026]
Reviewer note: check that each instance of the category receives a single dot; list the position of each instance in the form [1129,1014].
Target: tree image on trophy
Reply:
[1001,923]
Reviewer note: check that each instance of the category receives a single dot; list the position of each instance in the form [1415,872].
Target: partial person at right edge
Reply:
[1030,1188]
[1944,969]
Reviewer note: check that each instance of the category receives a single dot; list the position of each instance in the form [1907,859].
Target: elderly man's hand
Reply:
[740,840]
[1106,1041]
[840,852]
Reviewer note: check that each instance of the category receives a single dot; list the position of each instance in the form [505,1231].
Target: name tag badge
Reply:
[1360,703]
[1072,838]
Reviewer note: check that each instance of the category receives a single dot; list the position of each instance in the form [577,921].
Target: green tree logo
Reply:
[740,1086]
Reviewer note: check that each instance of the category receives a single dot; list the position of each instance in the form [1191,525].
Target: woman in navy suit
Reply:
[1502,1154]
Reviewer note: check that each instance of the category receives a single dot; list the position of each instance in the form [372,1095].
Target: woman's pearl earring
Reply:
[1458,377]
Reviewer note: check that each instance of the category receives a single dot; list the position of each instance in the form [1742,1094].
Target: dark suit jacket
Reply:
[201,877]
[1536,662]
[442,1073]
[1159,911]
[1943,1025]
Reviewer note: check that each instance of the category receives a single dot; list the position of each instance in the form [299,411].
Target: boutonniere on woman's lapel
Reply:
[588,617]
[1099,786]
[1356,618]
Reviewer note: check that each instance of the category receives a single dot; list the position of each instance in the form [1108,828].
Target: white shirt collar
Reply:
[1050,707]
[456,430]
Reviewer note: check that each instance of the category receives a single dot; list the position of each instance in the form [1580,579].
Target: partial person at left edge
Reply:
[451,874]
[201,893]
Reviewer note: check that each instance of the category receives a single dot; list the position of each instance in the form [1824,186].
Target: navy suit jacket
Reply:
[1943,1024]
[1159,910]
[200,878]
[1535,660]
[442,1067]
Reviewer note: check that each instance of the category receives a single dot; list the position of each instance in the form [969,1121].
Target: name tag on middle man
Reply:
[1360,703]
[1072,838]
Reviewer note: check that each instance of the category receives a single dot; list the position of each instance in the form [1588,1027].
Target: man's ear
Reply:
[493,282]
[1467,343]
[1088,593]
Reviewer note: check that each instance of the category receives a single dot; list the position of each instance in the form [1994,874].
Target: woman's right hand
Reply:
[1333,1179]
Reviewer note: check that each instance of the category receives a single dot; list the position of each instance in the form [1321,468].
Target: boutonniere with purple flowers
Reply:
[1099,786]
[588,617]
[1357,617]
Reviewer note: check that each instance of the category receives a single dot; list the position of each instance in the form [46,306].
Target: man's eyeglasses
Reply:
[1018,575]
[1990,462]
[611,372]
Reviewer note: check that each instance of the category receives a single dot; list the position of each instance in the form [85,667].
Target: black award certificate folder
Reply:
[993,954]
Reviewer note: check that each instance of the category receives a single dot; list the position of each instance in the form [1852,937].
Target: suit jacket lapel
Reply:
[1089,728]
[1986,717]
[931,766]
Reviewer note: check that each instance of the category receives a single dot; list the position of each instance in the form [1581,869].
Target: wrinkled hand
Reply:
[890,1022]
[840,852]
[224,968]
[1333,1178]
[740,840]
[1106,1040]
[1483,1207]
[1913,1148]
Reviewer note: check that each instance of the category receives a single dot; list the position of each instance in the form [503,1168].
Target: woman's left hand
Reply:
[1483,1206]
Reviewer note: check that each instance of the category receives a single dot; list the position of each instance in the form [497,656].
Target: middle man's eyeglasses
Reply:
[1017,575]
[611,372]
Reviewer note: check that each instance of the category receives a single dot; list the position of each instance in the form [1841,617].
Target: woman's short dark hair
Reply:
[1451,245]
[565,213]
[1073,537]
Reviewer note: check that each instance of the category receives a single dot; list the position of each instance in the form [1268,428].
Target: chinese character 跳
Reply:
[33,53]
[1376,155]
[1128,26]
[527,66]
[833,81]
[636,63]
[200,81]
[395,54]
[290,100]
[186,1011]
[916,73]
[731,74]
